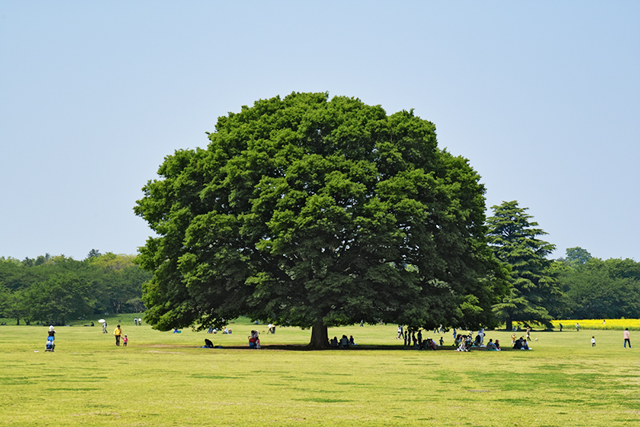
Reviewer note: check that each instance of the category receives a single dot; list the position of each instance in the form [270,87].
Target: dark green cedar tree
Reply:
[535,290]
[312,212]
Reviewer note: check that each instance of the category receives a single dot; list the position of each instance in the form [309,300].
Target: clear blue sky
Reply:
[542,97]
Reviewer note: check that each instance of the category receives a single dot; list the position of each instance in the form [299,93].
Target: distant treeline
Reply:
[57,288]
[598,289]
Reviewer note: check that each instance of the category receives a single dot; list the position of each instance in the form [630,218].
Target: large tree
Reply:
[535,290]
[314,212]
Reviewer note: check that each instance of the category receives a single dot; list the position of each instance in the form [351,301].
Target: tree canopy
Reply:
[56,289]
[577,256]
[595,288]
[307,211]
[535,290]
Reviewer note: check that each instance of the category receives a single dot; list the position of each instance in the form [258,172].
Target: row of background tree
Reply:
[577,286]
[58,288]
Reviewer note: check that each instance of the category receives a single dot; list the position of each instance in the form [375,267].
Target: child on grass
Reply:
[593,341]
[125,340]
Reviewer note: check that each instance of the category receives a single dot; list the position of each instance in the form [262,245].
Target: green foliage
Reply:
[56,289]
[577,255]
[304,210]
[535,290]
[607,289]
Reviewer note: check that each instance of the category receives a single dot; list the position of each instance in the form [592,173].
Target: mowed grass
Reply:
[162,379]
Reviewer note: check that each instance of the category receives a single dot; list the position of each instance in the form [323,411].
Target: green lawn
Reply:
[162,379]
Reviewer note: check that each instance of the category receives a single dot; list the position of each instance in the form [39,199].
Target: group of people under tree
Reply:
[343,342]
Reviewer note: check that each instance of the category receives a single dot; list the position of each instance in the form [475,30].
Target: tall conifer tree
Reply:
[535,289]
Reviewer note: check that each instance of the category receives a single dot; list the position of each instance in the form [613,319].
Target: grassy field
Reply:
[162,379]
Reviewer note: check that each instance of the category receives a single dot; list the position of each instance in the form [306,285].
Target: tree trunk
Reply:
[319,335]
[509,324]
[17,321]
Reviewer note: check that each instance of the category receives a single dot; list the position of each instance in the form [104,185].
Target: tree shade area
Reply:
[313,212]
[57,289]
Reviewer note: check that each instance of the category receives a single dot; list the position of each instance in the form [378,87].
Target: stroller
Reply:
[51,344]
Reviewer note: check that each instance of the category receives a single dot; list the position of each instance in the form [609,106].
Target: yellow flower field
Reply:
[632,324]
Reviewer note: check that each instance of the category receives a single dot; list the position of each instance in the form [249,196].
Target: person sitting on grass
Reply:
[334,342]
[491,346]
[457,340]
[498,345]
[424,344]
[351,340]
[254,341]
[207,343]
[463,343]
[468,342]
[517,345]
[344,342]
[441,341]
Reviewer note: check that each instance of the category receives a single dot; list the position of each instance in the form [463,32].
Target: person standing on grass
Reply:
[625,334]
[118,333]
[593,341]
[577,327]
